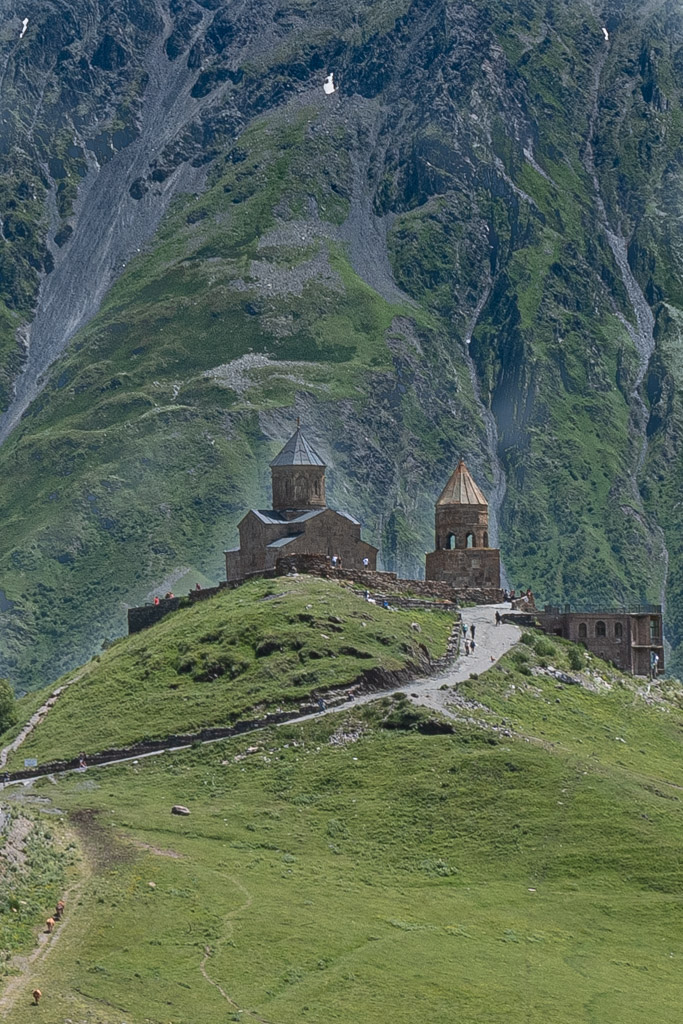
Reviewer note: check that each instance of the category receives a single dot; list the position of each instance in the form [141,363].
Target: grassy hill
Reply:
[267,645]
[354,869]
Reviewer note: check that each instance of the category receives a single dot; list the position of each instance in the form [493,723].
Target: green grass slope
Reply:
[267,645]
[348,871]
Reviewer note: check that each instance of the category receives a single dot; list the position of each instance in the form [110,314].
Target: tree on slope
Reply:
[8,712]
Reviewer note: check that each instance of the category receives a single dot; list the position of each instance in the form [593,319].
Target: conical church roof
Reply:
[461,489]
[297,452]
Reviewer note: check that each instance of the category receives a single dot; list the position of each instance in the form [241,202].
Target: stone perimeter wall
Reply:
[380,584]
[387,583]
[147,614]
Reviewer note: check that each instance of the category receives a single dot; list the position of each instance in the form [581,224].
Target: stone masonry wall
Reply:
[387,583]
[472,567]
[380,584]
[626,640]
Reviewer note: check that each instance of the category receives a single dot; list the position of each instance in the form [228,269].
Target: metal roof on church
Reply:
[461,489]
[282,542]
[297,452]
[272,516]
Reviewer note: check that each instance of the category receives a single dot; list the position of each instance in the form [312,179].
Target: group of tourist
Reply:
[469,642]
[336,562]
[524,595]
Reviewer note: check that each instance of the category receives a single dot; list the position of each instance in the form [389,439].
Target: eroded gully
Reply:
[641,333]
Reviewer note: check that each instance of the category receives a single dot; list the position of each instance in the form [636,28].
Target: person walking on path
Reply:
[472,629]
[465,627]
[498,618]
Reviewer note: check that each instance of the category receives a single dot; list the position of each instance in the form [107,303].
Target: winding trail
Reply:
[208,953]
[492,642]
[37,717]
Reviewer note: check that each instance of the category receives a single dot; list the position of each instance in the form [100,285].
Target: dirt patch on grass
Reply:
[140,845]
[101,846]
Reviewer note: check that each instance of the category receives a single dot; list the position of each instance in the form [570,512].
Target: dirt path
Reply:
[492,642]
[208,953]
[37,717]
[29,962]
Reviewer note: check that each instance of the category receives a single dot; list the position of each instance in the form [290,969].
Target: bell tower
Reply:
[298,476]
[463,556]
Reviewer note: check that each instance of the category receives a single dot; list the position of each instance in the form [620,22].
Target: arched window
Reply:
[600,628]
[450,541]
[583,631]
[486,539]
[618,631]
[469,541]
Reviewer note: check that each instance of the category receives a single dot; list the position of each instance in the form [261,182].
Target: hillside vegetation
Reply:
[268,645]
[523,867]
[234,247]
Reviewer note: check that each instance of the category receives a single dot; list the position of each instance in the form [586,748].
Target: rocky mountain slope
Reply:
[472,246]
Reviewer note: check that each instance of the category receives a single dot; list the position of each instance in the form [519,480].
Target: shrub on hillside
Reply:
[8,712]
[545,648]
[576,659]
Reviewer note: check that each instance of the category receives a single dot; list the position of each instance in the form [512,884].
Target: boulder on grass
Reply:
[179,809]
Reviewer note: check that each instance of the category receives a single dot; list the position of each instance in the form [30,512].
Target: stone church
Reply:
[300,521]
[463,557]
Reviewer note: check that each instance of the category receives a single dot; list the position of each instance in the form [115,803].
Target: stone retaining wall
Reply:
[387,583]
[439,594]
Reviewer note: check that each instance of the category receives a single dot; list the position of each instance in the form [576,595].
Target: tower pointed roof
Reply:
[461,489]
[297,452]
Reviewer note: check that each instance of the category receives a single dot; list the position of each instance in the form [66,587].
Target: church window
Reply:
[583,631]
[486,539]
[600,628]
[618,631]
[470,541]
[450,541]
[654,630]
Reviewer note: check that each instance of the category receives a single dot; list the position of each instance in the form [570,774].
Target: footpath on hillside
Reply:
[491,643]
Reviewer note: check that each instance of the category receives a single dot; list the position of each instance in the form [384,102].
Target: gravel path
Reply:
[492,642]
[37,717]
